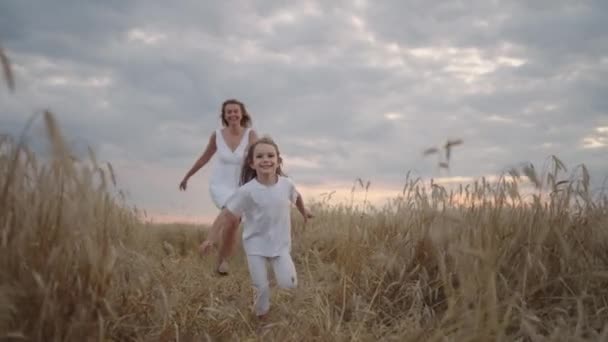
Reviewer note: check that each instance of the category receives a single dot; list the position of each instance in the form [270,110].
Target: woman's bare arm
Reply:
[201,161]
[253,137]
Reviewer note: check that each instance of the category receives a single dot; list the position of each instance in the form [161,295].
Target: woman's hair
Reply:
[246,118]
[247,173]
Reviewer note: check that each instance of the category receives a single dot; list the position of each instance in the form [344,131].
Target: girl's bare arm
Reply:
[302,208]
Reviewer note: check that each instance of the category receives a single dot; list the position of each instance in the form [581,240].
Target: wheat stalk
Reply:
[7,71]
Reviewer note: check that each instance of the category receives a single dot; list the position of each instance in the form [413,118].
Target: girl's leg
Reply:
[259,278]
[285,271]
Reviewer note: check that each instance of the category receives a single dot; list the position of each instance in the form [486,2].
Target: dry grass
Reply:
[7,72]
[480,263]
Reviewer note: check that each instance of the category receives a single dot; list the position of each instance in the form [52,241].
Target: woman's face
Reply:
[232,114]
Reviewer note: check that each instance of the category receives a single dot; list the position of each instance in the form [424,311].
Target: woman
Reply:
[231,143]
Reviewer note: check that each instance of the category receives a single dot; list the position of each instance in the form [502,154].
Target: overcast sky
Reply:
[347,88]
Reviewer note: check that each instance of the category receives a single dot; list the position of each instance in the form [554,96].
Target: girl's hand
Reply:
[183,184]
[307,215]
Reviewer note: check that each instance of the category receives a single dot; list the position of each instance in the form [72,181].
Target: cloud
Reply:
[347,89]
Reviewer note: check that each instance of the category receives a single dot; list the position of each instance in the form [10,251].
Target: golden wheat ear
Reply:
[8,72]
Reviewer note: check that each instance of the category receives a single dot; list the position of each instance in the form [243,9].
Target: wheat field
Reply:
[486,261]
[481,262]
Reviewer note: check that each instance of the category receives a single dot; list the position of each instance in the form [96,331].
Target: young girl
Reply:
[264,200]
[229,144]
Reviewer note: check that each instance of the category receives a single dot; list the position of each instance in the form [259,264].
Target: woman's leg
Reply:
[227,245]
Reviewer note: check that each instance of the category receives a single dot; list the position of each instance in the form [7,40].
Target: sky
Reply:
[348,89]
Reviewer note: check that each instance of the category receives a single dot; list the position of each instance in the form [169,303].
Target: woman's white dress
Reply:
[226,169]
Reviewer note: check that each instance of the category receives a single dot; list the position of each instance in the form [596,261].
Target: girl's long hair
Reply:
[245,119]
[247,173]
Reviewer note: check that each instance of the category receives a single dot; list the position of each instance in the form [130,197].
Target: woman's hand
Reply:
[205,247]
[183,184]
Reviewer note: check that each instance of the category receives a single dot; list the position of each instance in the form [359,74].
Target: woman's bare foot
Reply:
[222,268]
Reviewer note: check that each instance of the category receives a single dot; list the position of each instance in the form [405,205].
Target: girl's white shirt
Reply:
[266,210]
[226,170]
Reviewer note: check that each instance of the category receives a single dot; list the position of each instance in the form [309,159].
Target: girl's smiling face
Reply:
[265,160]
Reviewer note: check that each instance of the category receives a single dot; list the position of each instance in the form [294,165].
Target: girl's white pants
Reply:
[284,273]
